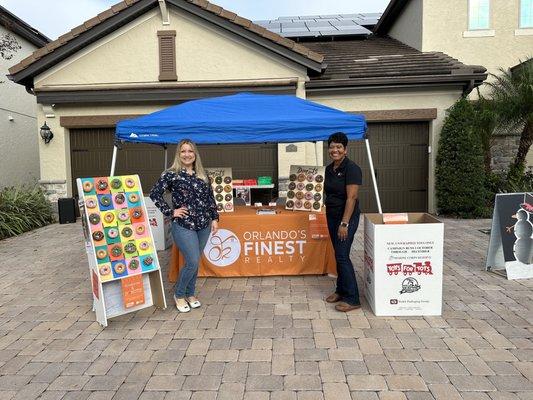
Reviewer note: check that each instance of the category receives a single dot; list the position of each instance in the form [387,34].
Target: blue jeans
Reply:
[346,282]
[191,244]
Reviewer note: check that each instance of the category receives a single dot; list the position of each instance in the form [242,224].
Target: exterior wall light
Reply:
[46,133]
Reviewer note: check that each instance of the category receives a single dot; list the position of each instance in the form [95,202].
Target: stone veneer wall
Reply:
[503,151]
[53,190]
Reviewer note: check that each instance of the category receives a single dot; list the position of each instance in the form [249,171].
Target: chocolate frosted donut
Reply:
[134,264]
[227,180]
[318,187]
[292,186]
[101,184]
[120,199]
[94,219]
[316,205]
[148,261]
[219,189]
[137,213]
[309,187]
[289,204]
[319,178]
[98,235]
[228,197]
[317,196]
[292,177]
[299,195]
[116,251]
[219,198]
[218,180]
[290,194]
[220,207]
[105,200]
[130,248]
[301,177]
[127,231]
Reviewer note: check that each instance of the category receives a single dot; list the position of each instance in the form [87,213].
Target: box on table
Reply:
[403,265]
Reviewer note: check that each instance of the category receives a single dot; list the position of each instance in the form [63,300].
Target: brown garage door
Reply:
[400,155]
[92,149]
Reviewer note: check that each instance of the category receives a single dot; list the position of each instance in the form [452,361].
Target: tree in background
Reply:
[460,171]
[512,99]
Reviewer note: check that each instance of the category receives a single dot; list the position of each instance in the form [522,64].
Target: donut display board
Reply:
[306,188]
[222,184]
[119,245]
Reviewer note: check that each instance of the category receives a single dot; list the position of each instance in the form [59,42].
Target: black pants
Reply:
[346,282]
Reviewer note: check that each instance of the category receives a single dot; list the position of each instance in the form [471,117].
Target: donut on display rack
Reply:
[98,235]
[292,177]
[105,200]
[310,177]
[144,245]
[292,186]
[90,203]
[137,213]
[227,188]
[88,186]
[301,177]
[148,261]
[133,197]
[123,216]
[227,180]
[130,182]
[316,205]
[300,186]
[318,187]
[120,199]
[220,207]
[308,196]
[319,178]
[116,251]
[298,204]
[112,233]
[94,219]
[116,183]
[218,180]
[219,198]
[228,197]
[101,254]
[317,196]
[307,205]
[130,248]
[228,206]
[219,189]
[102,184]
[127,231]
[134,264]
[104,270]
[289,204]
[140,229]
[290,194]
[309,187]
[119,267]
[299,195]
[109,217]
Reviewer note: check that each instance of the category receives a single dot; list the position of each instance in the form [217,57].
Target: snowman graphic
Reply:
[523,230]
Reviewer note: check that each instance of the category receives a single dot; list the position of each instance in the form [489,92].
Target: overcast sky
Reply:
[55,17]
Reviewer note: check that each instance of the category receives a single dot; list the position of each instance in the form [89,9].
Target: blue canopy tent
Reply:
[244,118]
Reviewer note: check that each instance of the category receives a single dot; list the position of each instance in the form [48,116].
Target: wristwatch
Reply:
[344,224]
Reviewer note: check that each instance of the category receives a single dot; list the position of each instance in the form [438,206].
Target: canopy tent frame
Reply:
[314,123]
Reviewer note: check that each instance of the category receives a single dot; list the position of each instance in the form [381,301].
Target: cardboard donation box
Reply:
[403,265]
[159,224]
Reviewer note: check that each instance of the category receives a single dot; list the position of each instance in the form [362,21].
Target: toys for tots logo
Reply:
[223,248]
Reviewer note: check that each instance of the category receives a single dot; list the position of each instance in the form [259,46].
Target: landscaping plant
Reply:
[460,172]
[23,209]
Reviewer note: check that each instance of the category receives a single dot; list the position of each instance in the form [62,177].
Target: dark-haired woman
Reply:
[341,185]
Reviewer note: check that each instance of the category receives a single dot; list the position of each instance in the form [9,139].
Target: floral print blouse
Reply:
[189,191]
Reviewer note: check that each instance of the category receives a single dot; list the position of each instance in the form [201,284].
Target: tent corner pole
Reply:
[316,153]
[372,174]
[114,160]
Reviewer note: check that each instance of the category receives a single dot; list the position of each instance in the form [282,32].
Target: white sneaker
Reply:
[193,302]
[182,305]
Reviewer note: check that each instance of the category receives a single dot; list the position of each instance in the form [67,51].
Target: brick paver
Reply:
[271,338]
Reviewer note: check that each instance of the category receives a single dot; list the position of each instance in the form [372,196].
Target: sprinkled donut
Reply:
[310,177]
[319,178]
[144,245]
[129,182]
[316,205]
[116,251]
[219,189]
[309,187]
[290,194]
[307,205]
[101,184]
[220,207]
[98,235]
[292,177]
[90,203]
[137,213]
[94,219]
[218,180]
[299,195]
[148,261]
[120,199]
[130,248]
[301,178]
[289,204]
[229,206]
[227,180]
[127,231]
[219,198]
[105,201]
[298,204]
[228,197]
[308,196]
[112,233]
[116,183]
[300,186]
[318,187]
[317,196]
[105,270]
[123,216]
[134,264]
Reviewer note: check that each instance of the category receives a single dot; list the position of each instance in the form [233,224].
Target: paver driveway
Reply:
[259,338]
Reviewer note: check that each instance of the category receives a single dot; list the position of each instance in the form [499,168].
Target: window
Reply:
[526,14]
[478,14]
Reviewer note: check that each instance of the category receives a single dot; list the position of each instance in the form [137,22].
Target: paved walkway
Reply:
[259,338]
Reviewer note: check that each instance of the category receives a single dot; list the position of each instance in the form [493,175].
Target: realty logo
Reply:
[223,248]
[133,135]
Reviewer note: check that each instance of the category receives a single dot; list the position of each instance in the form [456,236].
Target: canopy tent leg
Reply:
[166,159]
[114,160]
[372,174]
[316,153]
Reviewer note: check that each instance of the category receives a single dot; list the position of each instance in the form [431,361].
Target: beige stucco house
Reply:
[141,56]
[493,33]
[19,154]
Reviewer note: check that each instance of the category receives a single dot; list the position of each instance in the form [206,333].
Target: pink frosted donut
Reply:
[123,216]
[90,203]
[144,245]
[105,270]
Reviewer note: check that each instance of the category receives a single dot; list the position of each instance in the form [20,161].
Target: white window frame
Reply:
[468,18]
[520,17]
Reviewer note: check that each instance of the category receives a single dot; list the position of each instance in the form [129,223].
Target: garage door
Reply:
[400,155]
[92,149]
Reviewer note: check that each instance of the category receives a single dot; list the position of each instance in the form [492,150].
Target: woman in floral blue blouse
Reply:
[194,215]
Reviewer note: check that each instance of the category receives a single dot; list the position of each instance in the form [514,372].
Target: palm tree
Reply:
[512,98]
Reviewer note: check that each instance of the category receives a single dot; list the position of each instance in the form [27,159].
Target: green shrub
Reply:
[23,209]
[460,174]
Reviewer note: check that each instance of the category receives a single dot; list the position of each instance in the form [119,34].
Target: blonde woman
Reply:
[194,215]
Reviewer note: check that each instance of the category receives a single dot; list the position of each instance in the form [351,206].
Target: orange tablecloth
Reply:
[248,244]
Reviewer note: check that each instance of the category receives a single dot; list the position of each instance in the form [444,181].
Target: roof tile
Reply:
[119,7]
[105,14]
[92,22]
[214,9]
[78,30]
[242,21]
